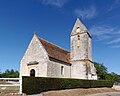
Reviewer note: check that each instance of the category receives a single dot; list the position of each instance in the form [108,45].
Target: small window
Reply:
[32,72]
[62,70]
[78,41]
[78,30]
[78,37]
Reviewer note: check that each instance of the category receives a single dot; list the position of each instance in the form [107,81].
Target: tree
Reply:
[101,70]
[115,76]
[10,74]
[0,74]
[103,73]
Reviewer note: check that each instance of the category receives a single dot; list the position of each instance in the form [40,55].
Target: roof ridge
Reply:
[54,45]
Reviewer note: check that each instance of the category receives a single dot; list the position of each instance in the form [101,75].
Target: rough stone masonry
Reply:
[45,59]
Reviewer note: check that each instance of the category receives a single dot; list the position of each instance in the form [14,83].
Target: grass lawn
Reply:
[3,82]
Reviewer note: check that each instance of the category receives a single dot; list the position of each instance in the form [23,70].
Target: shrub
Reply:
[35,85]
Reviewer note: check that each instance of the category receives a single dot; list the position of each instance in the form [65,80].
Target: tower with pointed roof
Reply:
[81,52]
[45,59]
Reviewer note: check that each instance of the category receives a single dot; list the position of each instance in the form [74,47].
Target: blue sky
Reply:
[53,20]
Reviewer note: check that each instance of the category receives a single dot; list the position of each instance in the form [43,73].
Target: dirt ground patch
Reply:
[13,91]
[78,92]
[9,91]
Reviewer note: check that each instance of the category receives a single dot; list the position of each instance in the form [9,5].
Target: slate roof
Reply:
[55,51]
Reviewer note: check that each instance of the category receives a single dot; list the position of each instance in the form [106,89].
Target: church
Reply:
[45,59]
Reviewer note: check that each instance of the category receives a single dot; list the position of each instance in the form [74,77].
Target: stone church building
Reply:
[45,59]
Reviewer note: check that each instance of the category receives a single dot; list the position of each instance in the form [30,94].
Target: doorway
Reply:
[32,72]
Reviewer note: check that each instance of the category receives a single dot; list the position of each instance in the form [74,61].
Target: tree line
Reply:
[9,74]
[103,73]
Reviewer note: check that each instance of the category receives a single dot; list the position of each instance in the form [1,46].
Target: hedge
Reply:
[35,85]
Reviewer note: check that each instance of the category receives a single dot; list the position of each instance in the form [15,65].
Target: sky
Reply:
[53,20]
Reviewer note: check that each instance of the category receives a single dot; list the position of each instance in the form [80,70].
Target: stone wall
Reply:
[78,70]
[90,48]
[81,52]
[54,69]
[77,54]
[34,52]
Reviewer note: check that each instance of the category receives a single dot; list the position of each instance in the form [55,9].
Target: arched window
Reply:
[32,72]
[78,30]
[62,70]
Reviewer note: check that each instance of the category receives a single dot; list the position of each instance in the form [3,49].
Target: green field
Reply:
[3,82]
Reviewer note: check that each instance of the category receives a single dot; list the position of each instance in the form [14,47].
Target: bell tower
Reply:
[80,51]
[81,47]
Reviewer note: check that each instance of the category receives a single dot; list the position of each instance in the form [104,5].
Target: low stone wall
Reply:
[116,87]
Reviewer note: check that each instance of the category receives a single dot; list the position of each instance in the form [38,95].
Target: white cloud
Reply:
[117,1]
[86,13]
[114,5]
[110,8]
[117,40]
[115,46]
[57,3]
[107,34]
[102,31]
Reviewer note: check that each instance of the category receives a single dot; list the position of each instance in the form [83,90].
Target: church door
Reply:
[32,72]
